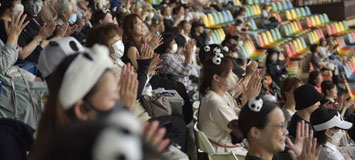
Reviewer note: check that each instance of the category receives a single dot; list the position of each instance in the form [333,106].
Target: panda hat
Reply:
[55,52]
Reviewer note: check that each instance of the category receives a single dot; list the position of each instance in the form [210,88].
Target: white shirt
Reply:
[330,152]
[214,115]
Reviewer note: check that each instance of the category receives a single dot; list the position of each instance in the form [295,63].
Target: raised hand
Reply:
[146,52]
[252,68]
[305,146]
[128,86]
[46,30]
[14,29]
[253,87]
[154,65]
[156,41]
[155,135]
[71,30]
[62,30]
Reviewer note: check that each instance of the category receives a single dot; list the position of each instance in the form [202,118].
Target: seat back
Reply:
[308,11]
[202,141]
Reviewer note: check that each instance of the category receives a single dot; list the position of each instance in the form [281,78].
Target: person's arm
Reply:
[132,56]
[8,52]
[143,65]
[38,41]
[177,68]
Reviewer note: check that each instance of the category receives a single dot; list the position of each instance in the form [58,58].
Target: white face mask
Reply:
[174,48]
[118,47]
[18,8]
[231,81]
[150,15]
[274,57]
[337,136]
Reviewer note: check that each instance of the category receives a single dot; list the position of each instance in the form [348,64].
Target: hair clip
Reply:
[217,51]
[225,48]
[207,48]
[255,104]
[217,59]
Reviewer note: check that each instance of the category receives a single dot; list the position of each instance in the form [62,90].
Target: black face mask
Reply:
[102,114]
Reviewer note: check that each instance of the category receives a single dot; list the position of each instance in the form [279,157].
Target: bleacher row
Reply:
[300,29]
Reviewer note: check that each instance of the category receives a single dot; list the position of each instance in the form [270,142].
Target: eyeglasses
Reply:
[281,126]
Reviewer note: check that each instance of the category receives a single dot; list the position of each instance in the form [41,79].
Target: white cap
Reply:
[336,121]
[83,73]
[55,52]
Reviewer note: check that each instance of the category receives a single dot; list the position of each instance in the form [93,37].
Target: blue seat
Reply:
[230,17]
[284,5]
[308,11]
[290,6]
[351,40]
[262,1]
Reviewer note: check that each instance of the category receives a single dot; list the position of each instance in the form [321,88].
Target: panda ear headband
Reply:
[255,104]
[217,59]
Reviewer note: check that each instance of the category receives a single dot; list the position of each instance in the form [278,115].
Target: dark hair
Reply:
[270,52]
[180,40]
[248,119]
[313,48]
[209,69]
[128,28]
[238,22]
[97,16]
[6,4]
[167,39]
[288,84]
[312,77]
[239,12]
[321,40]
[176,10]
[101,34]
[327,85]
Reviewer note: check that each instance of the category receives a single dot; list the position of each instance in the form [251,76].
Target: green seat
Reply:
[346,27]
[311,41]
[303,12]
[279,6]
[321,18]
[278,34]
[288,31]
[250,2]
[274,36]
[256,2]
[303,43]
[221,19]
[274,7]
[326,18]
[247,9]
[245,51]
[215,18]
[298,12]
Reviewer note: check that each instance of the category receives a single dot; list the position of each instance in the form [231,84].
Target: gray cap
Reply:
[55,52]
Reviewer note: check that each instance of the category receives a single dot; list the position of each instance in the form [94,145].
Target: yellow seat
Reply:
[293,14]
[299,43]
[313,21]
[211,20]
[269,37]
[288,15]
[337,28]
[255,11]
[238,2]
[293,28]
[205,21]
[258,10]
[265,39]
[342,28]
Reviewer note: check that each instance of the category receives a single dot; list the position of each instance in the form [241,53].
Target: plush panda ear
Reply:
[255,104]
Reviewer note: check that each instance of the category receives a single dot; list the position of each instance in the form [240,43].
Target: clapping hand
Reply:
[128,86]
